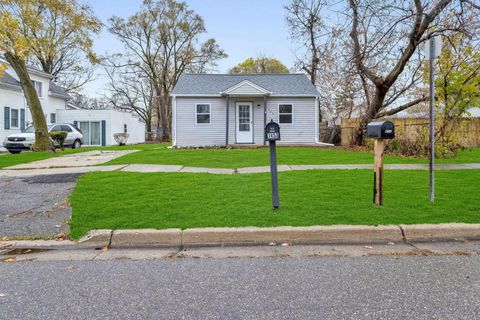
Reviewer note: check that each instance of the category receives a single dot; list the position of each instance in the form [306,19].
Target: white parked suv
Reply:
[19,142]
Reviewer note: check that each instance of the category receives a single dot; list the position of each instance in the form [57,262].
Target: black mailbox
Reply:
[381,130]
[272,131]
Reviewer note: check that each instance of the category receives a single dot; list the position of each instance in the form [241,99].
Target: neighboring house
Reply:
[98,126]
[226,109]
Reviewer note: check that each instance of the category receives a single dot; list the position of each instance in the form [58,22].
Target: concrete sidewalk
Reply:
[178,168]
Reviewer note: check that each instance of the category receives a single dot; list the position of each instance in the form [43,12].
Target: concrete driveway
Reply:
[35,206]
[82,159]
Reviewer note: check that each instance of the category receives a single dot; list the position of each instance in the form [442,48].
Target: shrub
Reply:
[59,137]
[121,138]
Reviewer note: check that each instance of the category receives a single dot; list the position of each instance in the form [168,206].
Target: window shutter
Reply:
[6,118]
[104,132]
[22,119]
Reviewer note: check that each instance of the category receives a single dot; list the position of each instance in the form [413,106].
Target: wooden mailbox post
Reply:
[379,131]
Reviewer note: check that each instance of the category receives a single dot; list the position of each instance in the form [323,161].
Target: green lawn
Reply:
[119,200]
[238,158]
[234,158]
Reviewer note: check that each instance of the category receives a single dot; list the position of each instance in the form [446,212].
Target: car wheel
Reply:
[14,151]
[76,144]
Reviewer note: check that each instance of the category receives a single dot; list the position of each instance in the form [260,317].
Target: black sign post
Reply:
[272,134]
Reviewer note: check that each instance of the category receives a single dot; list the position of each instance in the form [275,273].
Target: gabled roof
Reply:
[218,84]
[55,90]
[246,86]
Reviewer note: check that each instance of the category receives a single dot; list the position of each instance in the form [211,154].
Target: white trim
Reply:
[12,127]
[180,95]
[174,121]
[317,127]
[252,123]
[209,114]
[230,90]
[278,114]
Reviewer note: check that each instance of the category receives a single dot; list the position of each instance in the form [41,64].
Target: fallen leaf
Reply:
[71,267]
[2,295]
[9,260]
[105,249]
[368,247]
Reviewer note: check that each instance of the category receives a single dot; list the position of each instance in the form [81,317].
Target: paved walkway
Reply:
[82,159]
[179,168]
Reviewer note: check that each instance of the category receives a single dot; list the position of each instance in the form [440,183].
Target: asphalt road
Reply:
[374,287]
[35,206]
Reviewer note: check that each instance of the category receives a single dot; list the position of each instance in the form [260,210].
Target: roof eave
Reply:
[11,87]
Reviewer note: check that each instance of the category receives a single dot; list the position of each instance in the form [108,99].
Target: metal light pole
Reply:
[433,49]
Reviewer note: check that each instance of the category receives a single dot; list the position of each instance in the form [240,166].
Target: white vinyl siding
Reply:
[301,131]
[188,133]
[303,128]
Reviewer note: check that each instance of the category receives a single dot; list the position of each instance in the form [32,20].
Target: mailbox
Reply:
[381,130]
[272,131]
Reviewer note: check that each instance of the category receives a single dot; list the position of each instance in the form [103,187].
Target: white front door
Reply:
[244,122]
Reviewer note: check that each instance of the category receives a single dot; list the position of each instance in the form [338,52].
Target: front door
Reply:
[244,122]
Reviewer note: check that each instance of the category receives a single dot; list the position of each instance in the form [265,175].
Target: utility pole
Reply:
[432,120]
[433,50]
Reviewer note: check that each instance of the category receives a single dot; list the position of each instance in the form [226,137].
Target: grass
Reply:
[120,200]
[238,158]
[235,158]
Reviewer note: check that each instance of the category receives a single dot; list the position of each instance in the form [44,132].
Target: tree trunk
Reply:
[42,138]
[375,106]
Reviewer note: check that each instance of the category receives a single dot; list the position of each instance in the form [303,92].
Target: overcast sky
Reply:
[242,28]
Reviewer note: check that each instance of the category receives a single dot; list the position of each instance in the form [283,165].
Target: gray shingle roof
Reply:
[53,87]
[57,90]
[8,79]
[278,84]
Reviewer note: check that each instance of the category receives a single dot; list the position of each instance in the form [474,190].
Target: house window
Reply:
[53,118]
[125,128]
[203,113]
[285,113]
[14,118]
[38,87]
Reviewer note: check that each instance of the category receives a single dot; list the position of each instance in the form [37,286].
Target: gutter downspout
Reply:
[174,121]
[264,117]
[317,127]
[227,118]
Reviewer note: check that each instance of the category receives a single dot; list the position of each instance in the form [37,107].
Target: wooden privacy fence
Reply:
[468,133]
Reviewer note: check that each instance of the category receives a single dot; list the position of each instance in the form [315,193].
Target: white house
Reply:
[98,126]
[227,109]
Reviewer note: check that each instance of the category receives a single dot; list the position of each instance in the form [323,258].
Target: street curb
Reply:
[96,239]
[251,236]
[443,231]
[291,235]
[146,238]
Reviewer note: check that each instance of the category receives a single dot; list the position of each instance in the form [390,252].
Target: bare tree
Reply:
[161,40]
[385,38]
[131,91]
[306,25]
